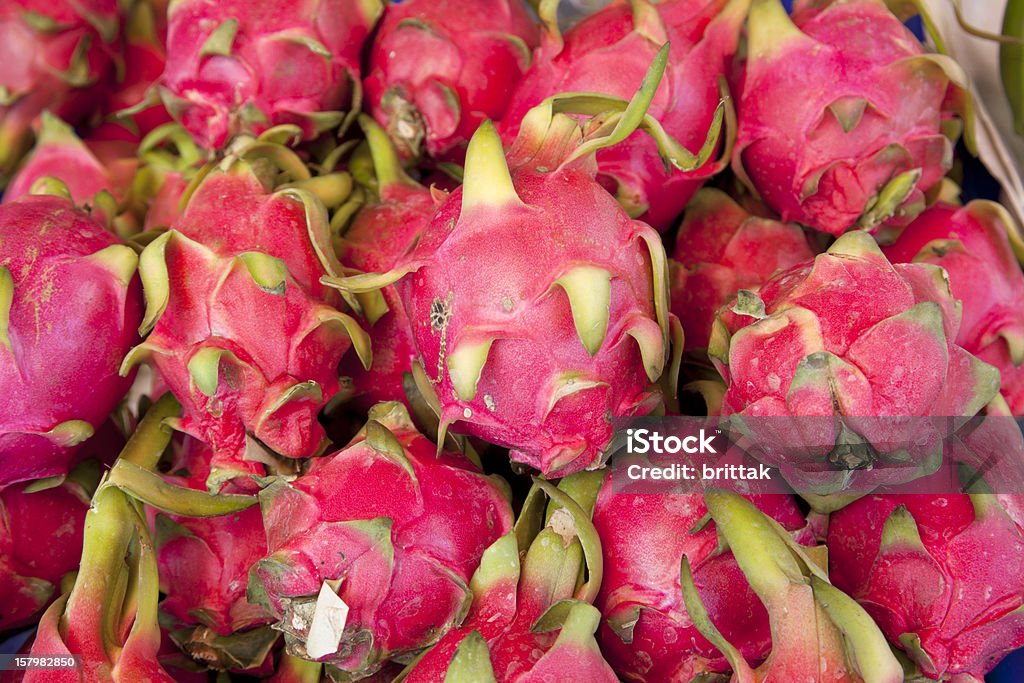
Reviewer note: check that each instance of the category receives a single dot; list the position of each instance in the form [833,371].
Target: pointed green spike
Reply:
[770,28]
[314,46]
[382,440]
[568,384]
[155,491]
[900,529]
[119,260]
[465,364]
[500,562]
[647,21]
[855,243]
[204,368]
[848,111]
[53,129]
[701,620]
[50,186]
[890,198]
[6,302]
[70,433]
[648,337]
[268,272]
[155,280]
[387,165]
[471,662]
[590,291]
[300,391]
[221,40]
[488,182]
[352,329]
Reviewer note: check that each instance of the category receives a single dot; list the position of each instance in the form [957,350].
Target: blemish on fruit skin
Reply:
[489,402]
[467,413]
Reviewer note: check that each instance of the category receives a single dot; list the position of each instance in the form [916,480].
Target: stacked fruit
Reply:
[318,318]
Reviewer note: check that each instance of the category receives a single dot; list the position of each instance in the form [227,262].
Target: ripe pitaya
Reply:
[943,575]
[439,68]
[54,55]
[842,115]
[721,249]
[372,549]
[819,634]
[134,101]
[60,154]
[69,308]
[242,330]
[204,568]
[567,326]
[829,359]
[242,67]
[608,53]
[646,632]
[40,542]
[971,244]
[381,234]
[531,584]
[109,618]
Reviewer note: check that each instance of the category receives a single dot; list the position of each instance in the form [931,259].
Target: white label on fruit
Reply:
[329,619]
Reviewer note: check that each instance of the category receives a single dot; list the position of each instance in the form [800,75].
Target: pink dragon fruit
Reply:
[381,233]
[204,568]
[60,154]
[971,244]
[646,632]
[242,330]
[819,634]
[568,325]
[40,542]
[53,55]
[842,115]
[372,548]
[608,53]
[509,635]
[721,249]
[438,68]
[844,344]
[109,618]
[69,308]
[241,67]
[941,574]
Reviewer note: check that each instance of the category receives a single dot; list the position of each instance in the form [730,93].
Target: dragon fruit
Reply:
[509,634]
[438,68]
[851,346]
[60,154]
[381,233]
[53,55]
[134,102]
[646,632]
[941,574]
[40,542]
[818,633]
[568,325]
[69,308]
[242,330]
[204,568]
[371,549]
[241,67]
[109,618]
[842,115]
[971,244]
[721,249]
[608,53]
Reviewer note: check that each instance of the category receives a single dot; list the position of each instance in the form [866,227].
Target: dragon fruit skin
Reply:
[40,542]
[860,151]
[609,52]
[53,55]
[721,249]
[379,236]
[941,574]
[537,351]
[391,521]
[813,351]
[646,632]
[232,67]
[69,308]
[238,273]
[971,244]
[439,68]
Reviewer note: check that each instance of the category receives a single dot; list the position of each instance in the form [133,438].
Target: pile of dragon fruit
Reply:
[318,318]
